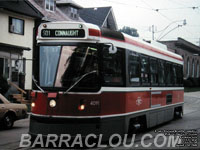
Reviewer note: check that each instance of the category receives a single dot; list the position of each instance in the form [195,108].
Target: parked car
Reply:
[10,112]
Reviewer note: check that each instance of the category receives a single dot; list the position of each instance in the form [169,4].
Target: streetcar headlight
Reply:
[80,26]
[44,25]
[81,107]
[52,103]
[32,104]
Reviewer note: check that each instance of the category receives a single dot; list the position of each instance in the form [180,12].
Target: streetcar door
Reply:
[156,95]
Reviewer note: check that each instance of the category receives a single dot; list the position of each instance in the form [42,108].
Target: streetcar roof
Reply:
[101,35]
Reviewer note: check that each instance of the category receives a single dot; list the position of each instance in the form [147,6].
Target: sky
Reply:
[164,15]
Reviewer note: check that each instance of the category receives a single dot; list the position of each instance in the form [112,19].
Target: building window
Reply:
[197,75]
[16,26]
[49,5]
[193,68]
[188,67]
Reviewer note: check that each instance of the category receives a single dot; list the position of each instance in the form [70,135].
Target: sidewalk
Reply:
[192,94]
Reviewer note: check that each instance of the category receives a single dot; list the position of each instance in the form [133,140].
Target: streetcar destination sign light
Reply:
[74,33]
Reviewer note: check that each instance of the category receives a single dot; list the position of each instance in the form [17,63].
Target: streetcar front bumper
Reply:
[74,126]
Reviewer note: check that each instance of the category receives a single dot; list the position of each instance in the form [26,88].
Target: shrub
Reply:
[187,83]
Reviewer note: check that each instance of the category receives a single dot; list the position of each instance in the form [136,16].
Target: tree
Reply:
[130,31]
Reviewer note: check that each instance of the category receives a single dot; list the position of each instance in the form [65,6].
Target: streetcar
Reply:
[88,79]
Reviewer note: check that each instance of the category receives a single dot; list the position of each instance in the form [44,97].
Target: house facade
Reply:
[49,10]
[16,41]
[70,9]
[101,16]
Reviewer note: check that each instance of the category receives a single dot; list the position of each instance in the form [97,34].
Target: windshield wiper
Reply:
[72,86]
[35,81]
[83,62]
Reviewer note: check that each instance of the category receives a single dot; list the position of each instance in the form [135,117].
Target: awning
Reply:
[14,47]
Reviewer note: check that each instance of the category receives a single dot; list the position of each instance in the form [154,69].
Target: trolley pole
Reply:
[153,31]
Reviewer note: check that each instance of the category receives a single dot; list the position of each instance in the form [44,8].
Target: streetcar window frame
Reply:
[169,74]
[63,44]
[131,81]
[126,68]
[161,74]
[153,71]
[145,74]
[115,83]
[55,62]
[174,74]
[179,75]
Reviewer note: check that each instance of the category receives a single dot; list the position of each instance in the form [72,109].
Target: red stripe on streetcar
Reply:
[95,32]
[130,41]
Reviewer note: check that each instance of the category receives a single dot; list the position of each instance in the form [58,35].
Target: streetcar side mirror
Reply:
[112,49]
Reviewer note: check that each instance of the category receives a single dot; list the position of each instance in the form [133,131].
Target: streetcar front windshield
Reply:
[63,66]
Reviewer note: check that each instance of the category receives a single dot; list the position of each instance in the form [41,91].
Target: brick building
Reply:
[190,54]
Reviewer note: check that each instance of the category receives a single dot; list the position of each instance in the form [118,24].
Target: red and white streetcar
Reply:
[94,80]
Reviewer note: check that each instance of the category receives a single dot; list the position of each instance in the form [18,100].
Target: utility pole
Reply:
[153,30]
[198,42]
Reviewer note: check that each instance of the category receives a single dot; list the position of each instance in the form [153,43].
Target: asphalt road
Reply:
[10,139]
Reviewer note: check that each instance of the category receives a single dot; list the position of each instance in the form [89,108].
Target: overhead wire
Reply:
[156,11]
[159,10]
[136,6]
[177,2]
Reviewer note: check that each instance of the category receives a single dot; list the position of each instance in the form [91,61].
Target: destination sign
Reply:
[73,33]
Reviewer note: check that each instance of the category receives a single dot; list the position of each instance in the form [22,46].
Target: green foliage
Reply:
[130,31]
[191,89]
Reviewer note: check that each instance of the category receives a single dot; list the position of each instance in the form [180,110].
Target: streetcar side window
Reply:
[169,74]
[144,70]
[112,68]
[179,72]
[134,68]
[174,75]
[154,71]
[161,74]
